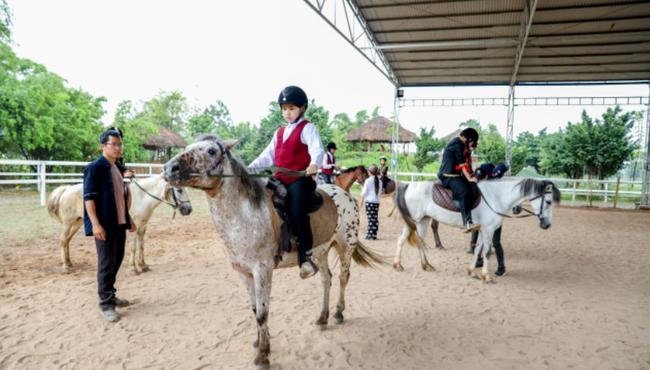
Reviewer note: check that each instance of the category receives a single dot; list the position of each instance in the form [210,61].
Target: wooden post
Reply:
[573,197]
[591,193]
[618,183]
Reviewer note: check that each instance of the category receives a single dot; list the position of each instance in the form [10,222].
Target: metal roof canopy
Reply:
[498,42]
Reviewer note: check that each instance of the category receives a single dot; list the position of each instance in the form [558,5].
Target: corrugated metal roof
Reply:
[476,42]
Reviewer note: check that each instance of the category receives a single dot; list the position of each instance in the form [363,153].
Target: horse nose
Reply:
[172,167]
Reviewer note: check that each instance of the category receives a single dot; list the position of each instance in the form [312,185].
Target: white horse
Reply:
[417,208]
[247,223]
[66,205]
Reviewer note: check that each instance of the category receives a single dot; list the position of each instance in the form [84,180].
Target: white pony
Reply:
[66,205]
[416,206]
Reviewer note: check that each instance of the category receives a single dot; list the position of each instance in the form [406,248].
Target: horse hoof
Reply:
[146,269]
[476,277]
[398,267]
[428,267]
[135,272]
[469,271]
[338,320]
[65,270]
[490,282]
[263,367]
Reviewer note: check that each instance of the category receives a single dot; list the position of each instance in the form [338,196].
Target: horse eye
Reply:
[212,151]
[548,202]
[179,191]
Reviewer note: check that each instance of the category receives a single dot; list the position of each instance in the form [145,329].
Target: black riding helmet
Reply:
[331,146]
[293,95]
[470,134]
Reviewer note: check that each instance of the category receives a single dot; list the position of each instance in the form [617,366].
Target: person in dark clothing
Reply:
[106,217]
[298,147]
[456,174]
[383,173]
[488,171]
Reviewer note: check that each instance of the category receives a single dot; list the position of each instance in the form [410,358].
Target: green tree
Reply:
[556,159]
[214,119]
[167,110]
[375,112]
[533,146]
[604,145]
[492,147]
[5,22]
[136,129]
[41,118]
[428,148]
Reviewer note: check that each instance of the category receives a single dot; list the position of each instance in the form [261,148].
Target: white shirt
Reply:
[309,137]
[368,190]
[325,165]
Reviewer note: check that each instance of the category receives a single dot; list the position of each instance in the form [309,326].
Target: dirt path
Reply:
[576,296]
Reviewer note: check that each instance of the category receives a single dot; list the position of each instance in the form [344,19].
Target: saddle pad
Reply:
[444,197]
[323,222]
[390,187]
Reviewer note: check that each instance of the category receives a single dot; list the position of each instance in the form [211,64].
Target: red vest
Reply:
[291,154]
[329,161]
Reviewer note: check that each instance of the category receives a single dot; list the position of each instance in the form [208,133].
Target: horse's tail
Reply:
[366,257]
[54,203]
[413,236]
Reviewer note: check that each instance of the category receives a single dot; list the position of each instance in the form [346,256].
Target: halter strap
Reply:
[541,208]
[220,160]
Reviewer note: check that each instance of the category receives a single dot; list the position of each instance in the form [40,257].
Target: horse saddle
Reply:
[282,225]
[445,198]
[390,187]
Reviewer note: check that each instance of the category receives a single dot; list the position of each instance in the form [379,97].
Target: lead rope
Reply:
[508,216]
[174,206]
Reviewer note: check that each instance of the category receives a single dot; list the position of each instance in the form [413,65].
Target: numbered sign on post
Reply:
[507,163]
[394,162]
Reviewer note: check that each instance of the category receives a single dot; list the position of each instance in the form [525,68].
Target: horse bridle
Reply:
[177,203]
[355,179]
[208,172]
[541,207]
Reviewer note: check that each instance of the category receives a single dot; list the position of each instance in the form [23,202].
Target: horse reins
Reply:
[539,215]
[174,205]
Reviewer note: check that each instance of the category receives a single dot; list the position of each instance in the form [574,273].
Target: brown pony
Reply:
[347,177]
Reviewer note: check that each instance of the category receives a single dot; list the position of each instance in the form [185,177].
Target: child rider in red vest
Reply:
[296,146]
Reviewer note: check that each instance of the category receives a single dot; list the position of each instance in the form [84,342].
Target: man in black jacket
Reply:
[456,174]
[106,217]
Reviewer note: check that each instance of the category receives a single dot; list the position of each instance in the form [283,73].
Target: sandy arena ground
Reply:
[576,296]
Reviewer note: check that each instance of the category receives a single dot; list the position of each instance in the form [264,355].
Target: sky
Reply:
[244,53]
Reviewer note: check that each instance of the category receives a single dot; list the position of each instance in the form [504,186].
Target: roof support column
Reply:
[509,130]
[395,136]
[645,197]
[526,23]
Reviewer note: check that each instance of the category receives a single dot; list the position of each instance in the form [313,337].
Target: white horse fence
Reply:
[41,178]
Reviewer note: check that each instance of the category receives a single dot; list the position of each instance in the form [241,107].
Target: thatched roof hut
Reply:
[166,139]
[377,131]
[454,134]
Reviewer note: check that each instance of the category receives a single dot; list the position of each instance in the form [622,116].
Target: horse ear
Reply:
[229,144]
[549,188]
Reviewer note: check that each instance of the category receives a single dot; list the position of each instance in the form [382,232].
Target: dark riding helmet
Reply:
[331,146]
[470,134]
[293,95]
[373,169]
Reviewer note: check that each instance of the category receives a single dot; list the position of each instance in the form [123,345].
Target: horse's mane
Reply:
[529,187]
[250,187]
[352,169]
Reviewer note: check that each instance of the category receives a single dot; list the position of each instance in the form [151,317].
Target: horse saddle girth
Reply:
[390,187]
[323,221]
[445,197]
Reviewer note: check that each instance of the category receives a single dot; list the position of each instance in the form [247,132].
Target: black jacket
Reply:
[98,186]
[454,158]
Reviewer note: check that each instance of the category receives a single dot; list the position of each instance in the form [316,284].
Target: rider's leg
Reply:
[299,192]
[462,192]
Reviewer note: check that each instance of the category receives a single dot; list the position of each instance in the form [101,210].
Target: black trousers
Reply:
[110,253]
[496,242]
[327,179]
[384,182]
[297,206]
[465,193]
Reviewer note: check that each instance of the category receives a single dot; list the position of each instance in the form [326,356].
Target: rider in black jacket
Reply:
[456,174]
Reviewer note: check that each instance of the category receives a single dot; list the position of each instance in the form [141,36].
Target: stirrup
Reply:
[471,227]
[308,269]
